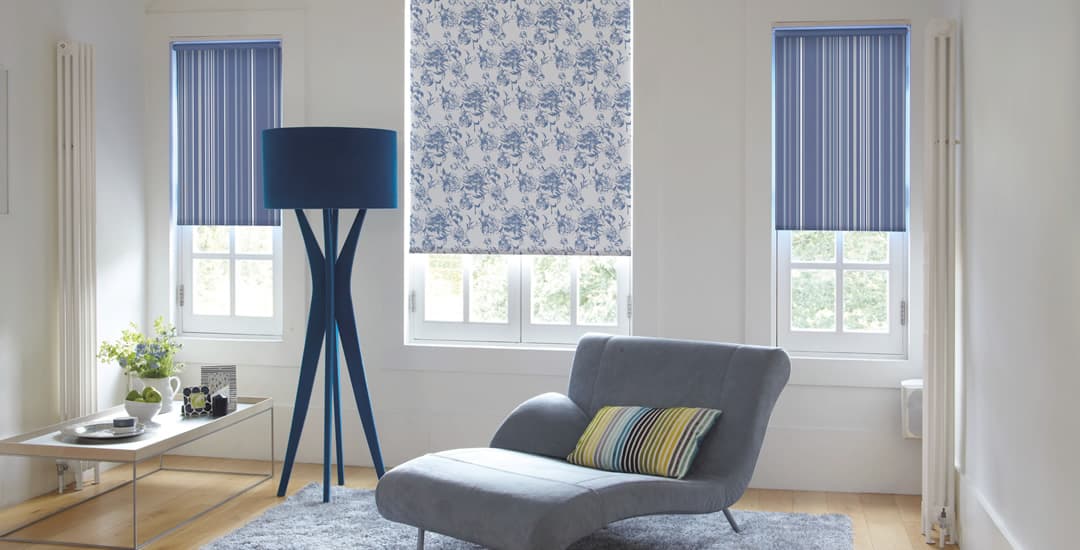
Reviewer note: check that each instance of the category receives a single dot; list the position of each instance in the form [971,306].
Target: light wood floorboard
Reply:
[881,522]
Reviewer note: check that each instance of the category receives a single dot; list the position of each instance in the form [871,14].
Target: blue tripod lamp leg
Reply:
[316,329]
[350,342]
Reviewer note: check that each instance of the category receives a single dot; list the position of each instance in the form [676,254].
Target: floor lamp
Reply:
[330,168]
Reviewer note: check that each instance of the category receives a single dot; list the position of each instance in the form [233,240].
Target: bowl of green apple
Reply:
[144,405]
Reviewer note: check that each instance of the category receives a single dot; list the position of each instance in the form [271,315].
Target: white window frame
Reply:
[543,333]
[465,330]
[519,330]
[227,325]
[837,342]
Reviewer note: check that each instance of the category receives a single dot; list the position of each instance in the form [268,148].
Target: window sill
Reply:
[853,372]
[270,351]
[458,344]
[486,358]
[205,337]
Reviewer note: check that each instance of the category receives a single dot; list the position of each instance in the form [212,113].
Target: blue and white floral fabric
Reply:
[520,126]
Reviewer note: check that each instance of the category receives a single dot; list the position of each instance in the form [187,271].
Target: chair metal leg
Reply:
[731,520]
[420,538]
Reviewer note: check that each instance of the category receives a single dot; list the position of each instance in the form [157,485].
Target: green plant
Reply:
[142,355]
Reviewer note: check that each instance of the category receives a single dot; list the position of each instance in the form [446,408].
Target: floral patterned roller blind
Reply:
[520,135]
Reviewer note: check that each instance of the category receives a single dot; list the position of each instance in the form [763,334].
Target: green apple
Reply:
[151,395]
[133,395]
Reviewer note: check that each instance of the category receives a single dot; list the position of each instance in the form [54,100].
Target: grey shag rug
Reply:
[351,521]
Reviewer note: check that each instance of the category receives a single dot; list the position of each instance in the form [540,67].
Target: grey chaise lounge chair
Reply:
[521,494]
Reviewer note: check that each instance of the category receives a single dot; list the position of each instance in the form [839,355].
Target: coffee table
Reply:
[166,433]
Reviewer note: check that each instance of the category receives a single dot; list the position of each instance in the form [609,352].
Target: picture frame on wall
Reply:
[3,141]
[221,379]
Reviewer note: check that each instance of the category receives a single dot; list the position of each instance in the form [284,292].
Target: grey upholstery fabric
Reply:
[548,425]
[509,497]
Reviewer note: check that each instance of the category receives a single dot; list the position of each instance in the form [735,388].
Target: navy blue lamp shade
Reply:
[329,167]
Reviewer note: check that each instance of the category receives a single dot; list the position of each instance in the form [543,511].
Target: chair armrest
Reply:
[548,424]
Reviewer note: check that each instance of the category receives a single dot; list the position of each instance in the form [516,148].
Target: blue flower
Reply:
[474,102]
[487,58]
[566,225]
[551,183]
[624,180]
[436,144]
[449,100]
[512,62]
[588,60]
[564,59]
[472,24]
[621,19]
[547,24]
[489,225]
[526,182]
[513,227]
[488,141]
[550,102]
[564,141]
[602,183]
[589,144]
[447,18]
[437,227]
[526,101]
[600,18]
[589,224]
[435,60]
[473,187]
[524,18]
[450,182]
[511,147]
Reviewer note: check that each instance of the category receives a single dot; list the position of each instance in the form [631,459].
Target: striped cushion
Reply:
[643,440]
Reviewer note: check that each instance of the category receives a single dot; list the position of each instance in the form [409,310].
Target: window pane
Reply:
[866,247]
[443,294]
[213,239]
[255,288]
[597,292]
[866,300]
[813,299]
[813,246]
[551,290]
[489,290]
[254,239]
[211,281]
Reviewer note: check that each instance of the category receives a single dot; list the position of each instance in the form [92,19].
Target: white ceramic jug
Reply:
[166,388]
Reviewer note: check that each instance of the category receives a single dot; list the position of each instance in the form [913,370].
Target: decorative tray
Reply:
[104,431]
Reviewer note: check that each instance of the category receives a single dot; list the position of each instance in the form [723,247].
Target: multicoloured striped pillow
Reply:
[643,440]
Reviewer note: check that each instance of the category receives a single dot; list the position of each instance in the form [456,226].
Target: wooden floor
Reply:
[882,522]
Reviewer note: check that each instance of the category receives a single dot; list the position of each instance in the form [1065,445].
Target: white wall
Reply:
[1022,265]
[692,268]
[28,256]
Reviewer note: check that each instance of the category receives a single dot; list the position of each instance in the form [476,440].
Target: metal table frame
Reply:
[261,406]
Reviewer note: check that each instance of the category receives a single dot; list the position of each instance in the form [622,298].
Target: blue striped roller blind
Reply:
[227,93]
[840,136]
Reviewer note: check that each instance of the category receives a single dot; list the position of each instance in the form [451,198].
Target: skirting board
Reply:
[980,524]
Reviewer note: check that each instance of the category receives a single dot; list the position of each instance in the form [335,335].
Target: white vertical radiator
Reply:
[76,168]
[942,288]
